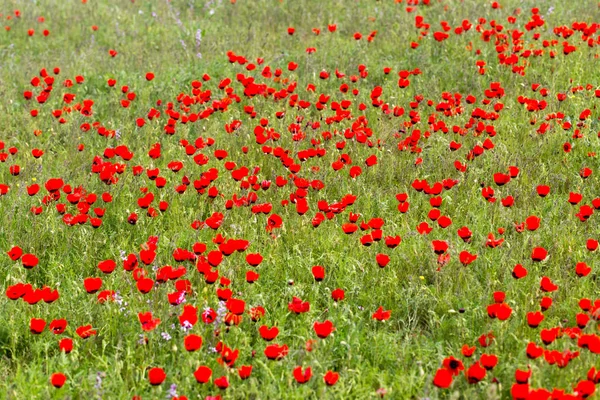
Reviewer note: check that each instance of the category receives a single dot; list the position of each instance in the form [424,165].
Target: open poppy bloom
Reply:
[202,374]
[331,378]
[244,371]
[37,325]
[58,326]
[267,333]
[85,331]
[442,378]
[58,379]
[222,382]
[192,342]
[452,365]
[539,254]
[475,373]
[323,329]
[381,314]
[147,321]
[156,376]
[276,352]
[302,376]
[298,306]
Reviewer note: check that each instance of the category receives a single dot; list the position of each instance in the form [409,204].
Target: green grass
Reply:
[400,355]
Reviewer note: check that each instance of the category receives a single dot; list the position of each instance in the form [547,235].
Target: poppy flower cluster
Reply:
[300,210]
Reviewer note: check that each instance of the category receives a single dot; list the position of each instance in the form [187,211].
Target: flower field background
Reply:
[299,199]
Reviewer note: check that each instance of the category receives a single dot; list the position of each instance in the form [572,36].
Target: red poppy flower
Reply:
[466,258]
[501,179]
[222,382]
[440,36]
[337,294]
[467,351]
[254,259]
[532,223]
[489,361]
[594,375]
[66,345]
[585,212]
[545,303]
[202,374]
[58,326]
[107,266]
[192,342]
[453,365]
[145,285]
[58,379]
[499,297]
[539,254]
[276,352]
[582,320]
[519,272]
[439,246]
[582,269]
[267,333]
[382,315]
[534,351]
[575,198]
[584,389]
[349,228]
[502,311]
[323,329]
[85,331]
[298,306]
[522,376]
[318,273]
[486,339]
[382,260]
[549,335]
[245,371]
[520,391]
[465,234]
[444,221]
[543,190]
[302,376]
[393,241]
[442,378]
[534,319]
[29,261]
[156,376]
[208,316]
[37,325]
[274,221]
[15,253]
[228,355]
[236,306]
[546,285]
[92,285]
[331,378]
[190,315]
[251,276]
[475,373]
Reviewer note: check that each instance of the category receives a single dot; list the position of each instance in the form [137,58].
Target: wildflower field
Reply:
[277,199]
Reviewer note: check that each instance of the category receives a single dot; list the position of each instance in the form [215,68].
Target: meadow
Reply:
[277,199]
